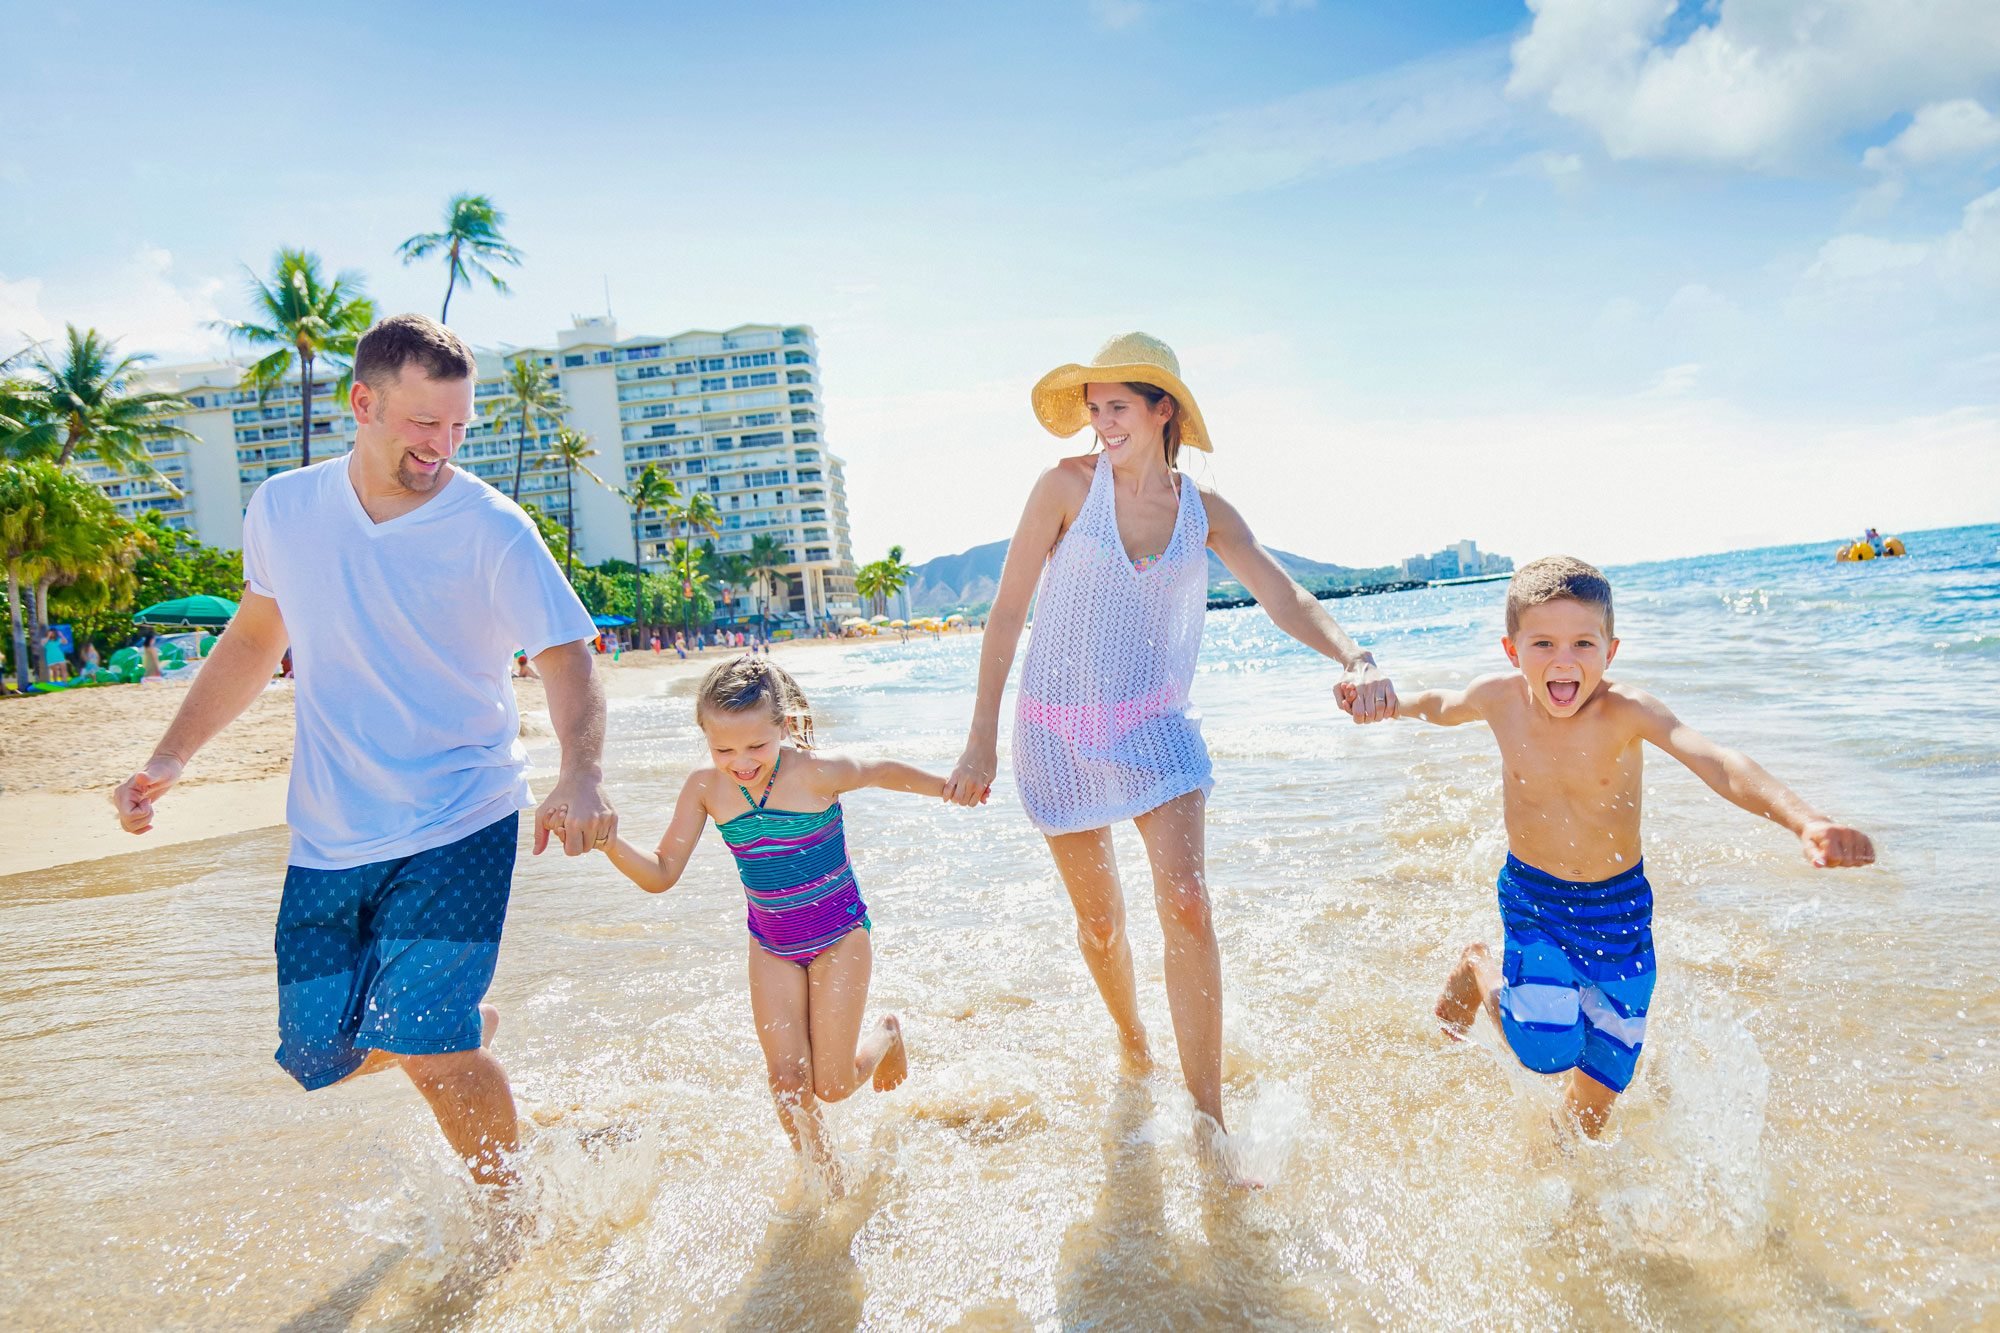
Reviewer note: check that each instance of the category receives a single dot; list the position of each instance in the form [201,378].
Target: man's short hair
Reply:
[403,340]
[1556,578]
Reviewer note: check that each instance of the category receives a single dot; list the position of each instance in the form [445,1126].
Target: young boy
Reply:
[1571,990]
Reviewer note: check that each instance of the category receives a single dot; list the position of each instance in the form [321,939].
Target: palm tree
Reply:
[767,558]
[900,574]
[868,582]
[85,406]
[570,448]
[471,240]
[650,490]
[732,572]
[306,319]
[531,393]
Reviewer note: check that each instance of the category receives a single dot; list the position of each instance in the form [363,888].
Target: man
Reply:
[402,585]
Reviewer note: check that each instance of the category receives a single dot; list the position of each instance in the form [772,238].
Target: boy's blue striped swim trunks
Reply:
[1578,971]
[392,956]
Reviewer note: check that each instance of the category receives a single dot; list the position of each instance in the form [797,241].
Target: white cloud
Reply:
[1961,265]
[1938,132]
[141,303]
[1757,83]
[1426,104]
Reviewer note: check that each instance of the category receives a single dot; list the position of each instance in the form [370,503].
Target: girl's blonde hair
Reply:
[751,682]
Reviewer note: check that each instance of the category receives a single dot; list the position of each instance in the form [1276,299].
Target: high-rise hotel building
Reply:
[737,414]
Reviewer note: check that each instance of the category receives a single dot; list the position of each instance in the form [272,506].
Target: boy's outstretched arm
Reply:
[659,870]
[1740,780]
[1448,708]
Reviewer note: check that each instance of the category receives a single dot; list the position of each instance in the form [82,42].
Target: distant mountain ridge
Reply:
[970,578]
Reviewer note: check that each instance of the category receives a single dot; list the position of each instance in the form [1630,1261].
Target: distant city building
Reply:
[735,414]
[1457,561]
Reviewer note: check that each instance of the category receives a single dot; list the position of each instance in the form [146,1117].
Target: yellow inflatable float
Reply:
[1891,547]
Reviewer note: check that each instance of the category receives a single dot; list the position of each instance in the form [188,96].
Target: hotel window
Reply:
[797,359]
[802,395]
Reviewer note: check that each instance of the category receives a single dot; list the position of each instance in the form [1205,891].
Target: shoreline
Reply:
[61,756]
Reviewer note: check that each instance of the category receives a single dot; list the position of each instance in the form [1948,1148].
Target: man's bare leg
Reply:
[468,1093]
[1474,984]
[377,1061]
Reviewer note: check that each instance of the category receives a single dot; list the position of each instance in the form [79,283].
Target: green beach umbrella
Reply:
[199,610]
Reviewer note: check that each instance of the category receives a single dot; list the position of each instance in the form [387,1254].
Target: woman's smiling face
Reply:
[1126,424]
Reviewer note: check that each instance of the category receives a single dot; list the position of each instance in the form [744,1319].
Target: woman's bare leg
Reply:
[1089,871]
[1176,844]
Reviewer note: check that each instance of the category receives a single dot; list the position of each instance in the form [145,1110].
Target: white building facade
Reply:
[736,414]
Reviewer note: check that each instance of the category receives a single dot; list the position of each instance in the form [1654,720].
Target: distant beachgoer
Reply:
[92,663]
[809,950]
[1104,732]
[523,668]
[1576,974]
[409,774]
[149,655]
[55,657]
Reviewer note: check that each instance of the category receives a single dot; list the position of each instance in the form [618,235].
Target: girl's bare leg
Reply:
[838,982]
[778,1003]
[1089,872]
[1176,844]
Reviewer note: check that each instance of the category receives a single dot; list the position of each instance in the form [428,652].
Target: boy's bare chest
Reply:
[1581,765]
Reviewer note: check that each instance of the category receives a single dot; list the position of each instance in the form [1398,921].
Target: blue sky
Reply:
[1625,279]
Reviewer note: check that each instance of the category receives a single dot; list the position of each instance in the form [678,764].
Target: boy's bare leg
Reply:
[1587,1103]
[1090,873]
[1474,984]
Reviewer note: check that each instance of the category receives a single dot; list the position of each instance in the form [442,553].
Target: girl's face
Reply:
[744,745]
[1126,424]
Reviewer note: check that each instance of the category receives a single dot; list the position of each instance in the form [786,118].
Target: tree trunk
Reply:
[638,584]
[520,454]
[305,408]
[569,514]
[38,637]
[20,635]
[70,439]
[451,281]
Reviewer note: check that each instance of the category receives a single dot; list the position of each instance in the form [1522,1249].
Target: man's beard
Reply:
[421,482]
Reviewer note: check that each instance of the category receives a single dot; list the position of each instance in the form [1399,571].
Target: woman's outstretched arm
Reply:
[1297,612]
[1041,525]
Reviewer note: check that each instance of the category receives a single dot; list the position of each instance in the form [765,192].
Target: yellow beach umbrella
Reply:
[896,624]
[954,620]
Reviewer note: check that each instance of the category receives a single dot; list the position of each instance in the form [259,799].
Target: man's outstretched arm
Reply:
[235,673]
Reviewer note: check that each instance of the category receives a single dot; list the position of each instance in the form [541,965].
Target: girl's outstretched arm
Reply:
[659,870]
[1296,611]
[1041,525]
[844,775]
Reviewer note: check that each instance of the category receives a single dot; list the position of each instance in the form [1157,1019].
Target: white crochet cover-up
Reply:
[1102,726]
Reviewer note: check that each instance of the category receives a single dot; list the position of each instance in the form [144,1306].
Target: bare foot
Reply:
[895,1065]
[1458,1004]
[1214,1150]
[1135,1057]
[489,1023]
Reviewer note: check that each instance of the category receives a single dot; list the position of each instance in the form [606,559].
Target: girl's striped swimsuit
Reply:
[800,887]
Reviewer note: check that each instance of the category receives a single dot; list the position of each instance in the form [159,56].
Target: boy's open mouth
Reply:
[1562,693]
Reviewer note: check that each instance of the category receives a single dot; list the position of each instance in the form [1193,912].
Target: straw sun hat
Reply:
[1130,358]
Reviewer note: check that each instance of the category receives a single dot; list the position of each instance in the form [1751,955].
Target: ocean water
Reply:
[1810,1142]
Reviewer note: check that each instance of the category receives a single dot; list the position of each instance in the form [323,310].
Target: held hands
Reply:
[134,797]
[1829,845]
[972,780]
[576,812]
[1366,695]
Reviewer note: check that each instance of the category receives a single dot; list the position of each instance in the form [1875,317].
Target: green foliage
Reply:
[85,406]
[170,564]
[58,531]
[530,397]
[305,320]
[471,243]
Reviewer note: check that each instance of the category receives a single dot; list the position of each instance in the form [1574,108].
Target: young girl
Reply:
[777,805]
[1118,542]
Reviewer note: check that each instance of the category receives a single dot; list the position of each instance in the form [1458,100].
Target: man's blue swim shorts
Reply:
[392,956]
[1578,971]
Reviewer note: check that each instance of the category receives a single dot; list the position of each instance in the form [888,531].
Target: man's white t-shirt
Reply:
[403,634]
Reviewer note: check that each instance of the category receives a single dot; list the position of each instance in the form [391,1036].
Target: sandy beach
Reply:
[60,757]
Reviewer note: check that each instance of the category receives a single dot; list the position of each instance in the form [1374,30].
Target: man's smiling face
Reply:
[410,426]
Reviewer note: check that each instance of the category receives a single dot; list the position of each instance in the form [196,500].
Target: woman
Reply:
[1118,541]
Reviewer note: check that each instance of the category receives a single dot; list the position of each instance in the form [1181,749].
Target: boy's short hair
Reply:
[1556,578]
[398,341]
